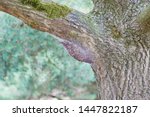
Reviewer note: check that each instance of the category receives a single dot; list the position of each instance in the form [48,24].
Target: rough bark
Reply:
[111,38]
[123,74]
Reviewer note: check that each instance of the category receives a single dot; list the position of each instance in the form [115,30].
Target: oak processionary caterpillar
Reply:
[77,51]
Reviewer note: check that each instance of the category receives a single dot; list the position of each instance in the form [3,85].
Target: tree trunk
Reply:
[124,72]
[113,38]
[124,79]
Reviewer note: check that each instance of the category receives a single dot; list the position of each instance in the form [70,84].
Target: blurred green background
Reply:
[84,6]
[33,65]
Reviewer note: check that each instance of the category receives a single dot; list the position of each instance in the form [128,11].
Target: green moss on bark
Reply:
[53,10]
[116,34]
[144,20]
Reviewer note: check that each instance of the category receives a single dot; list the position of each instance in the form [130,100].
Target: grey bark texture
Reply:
[114,38]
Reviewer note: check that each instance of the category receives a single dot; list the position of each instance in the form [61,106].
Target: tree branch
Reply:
[72,28]
[61,27]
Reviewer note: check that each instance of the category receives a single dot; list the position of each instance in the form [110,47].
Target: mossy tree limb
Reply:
[59,26]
